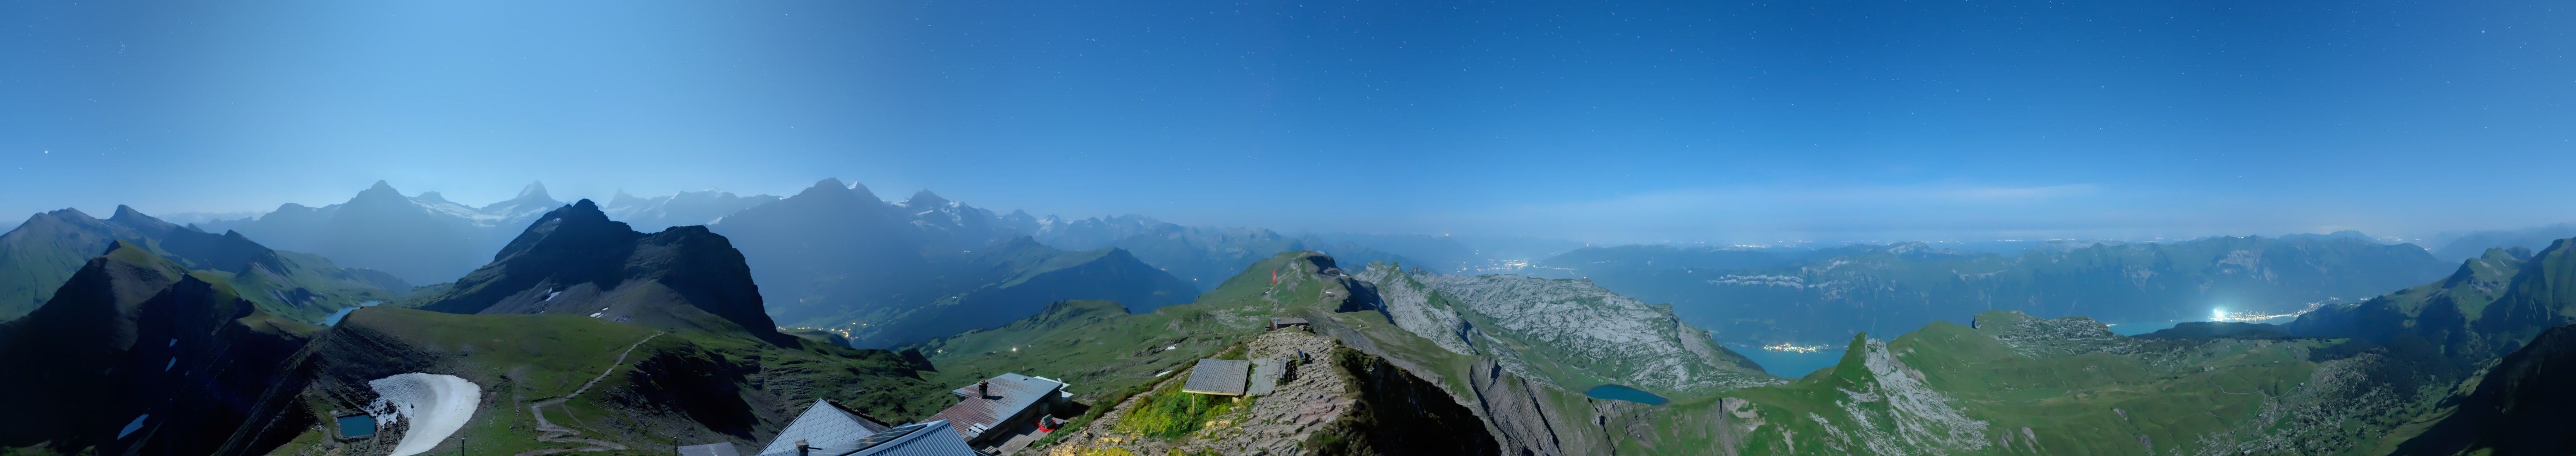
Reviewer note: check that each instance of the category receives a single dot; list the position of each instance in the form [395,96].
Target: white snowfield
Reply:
[436,405]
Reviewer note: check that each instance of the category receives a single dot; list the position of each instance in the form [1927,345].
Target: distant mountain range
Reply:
[835,255]
[421,239]
[2474,243]
[1772,296]
[683,209]
[41,254]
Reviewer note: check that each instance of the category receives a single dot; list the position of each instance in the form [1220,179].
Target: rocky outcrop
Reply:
[576,261]
[1563,325]
[1328,400]
[1525,418]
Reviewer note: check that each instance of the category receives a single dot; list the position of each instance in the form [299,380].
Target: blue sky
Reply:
[1684,121]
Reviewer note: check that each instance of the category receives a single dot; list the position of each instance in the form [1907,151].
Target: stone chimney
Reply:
[802,448]
[984,389]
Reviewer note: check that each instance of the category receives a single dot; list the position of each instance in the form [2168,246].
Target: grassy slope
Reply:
[1008,279]
[2135,397]
[1099,352]
[42,253]
[523,359]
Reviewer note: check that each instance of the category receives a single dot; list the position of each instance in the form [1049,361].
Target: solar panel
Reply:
[1218,376]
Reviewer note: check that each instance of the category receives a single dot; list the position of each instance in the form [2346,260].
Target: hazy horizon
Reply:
[1597,123]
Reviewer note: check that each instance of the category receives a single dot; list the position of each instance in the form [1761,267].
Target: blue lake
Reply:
[335,317]
[1792,364]
[357,426]
[1623,393]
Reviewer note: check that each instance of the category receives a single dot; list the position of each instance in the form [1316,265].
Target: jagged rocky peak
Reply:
[535,191]
[127,214]
[924,199]
[623,199]
[832,188]
[64,214]
[580,223]
[383,191]
[576,261]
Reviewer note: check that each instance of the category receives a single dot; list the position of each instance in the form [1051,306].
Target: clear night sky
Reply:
[1640,122]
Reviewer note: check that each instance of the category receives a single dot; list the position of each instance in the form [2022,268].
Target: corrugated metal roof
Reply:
[1218,376]
[932,443]
[978,412]
[917,439]
[712,449]
[822,424]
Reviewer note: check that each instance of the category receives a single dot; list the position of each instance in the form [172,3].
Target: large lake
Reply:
[1792,364]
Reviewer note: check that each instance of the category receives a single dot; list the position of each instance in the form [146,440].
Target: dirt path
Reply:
[550,433]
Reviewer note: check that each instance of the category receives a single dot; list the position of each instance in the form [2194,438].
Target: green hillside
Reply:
[40,254]
[672,388]
[1102,350]
[135,355]
[2016,384]
[995,285]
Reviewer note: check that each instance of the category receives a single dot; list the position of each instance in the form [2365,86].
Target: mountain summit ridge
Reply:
[576,261]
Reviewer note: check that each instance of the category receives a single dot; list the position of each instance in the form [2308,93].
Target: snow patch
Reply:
[436,405]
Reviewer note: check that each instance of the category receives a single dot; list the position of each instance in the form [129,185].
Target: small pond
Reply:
[354,426]
[1623,393]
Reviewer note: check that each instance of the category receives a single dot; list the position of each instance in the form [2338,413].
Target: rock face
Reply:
[576,261]
[1333,400]
[133,355]
[1521,373]
[1566,332]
